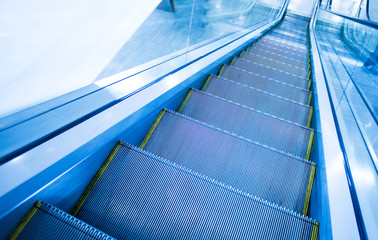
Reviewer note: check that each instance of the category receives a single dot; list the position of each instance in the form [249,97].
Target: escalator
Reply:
[232,162]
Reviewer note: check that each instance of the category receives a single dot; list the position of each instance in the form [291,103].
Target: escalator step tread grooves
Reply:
[270,71]
[256,125]
[273,86]
[44,221]
[277,56]
[276,64]
[259,100]
[148,197]
[240,162]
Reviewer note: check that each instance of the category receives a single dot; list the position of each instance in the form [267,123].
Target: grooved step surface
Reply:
[287,36]
[276,64]
[245,165]
[282,49]
[278,57]
[293,33]
[259,100]
[148,197]
[269,85]
[269,71]
[300,48]
[259,127]
[48,222]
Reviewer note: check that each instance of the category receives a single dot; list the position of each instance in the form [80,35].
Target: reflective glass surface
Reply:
[52,48]
[349,54]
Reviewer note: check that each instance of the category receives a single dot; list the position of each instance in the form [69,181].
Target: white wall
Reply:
[48,48]
[302,7]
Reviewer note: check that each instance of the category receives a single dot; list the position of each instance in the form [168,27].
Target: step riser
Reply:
[257,126]
[268,85]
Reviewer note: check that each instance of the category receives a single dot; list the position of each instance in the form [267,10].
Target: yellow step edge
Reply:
[309,117]
[96,178]
[248,47]
[232,61]
[309,85]
[25,220]
[310,141]
[309,75]
[152,129]
[315,231]
[241,54]
[220,72]
[309,99]
[185,100]
[208,79]
[309,189]
[309,67]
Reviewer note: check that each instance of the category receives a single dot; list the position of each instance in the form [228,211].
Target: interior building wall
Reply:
[301,7]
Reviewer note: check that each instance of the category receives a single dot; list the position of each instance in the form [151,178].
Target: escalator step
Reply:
[47,222]
[293,33]
[265,84]
[278,57]
[276,47]
[303,72]
[260,127]
[271,72]
[259,100]
[289,37]
[252,167]
[285,44]
[148,197]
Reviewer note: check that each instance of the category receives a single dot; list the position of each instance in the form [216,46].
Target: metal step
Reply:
[276,64]
[236,161]
[259,100]
[291,32]
[287,36]
[260,127]
[47,222]
[301,63]
[148,197]
[291,27]
[270,85]
[271,72]
[276,49]
[296,31]
[286,44]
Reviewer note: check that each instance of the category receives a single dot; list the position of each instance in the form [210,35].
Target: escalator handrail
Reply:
[367,10]
[361,21]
